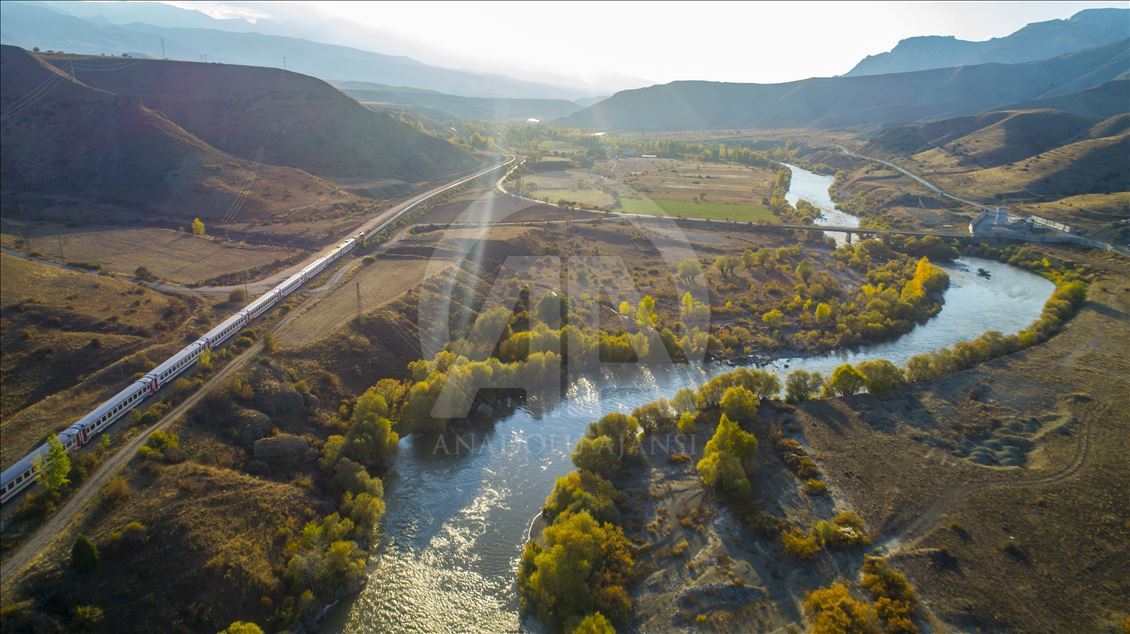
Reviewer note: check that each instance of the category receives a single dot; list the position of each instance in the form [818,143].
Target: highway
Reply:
[56,525]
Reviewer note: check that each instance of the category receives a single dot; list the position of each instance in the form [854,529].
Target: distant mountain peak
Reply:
[1035,41]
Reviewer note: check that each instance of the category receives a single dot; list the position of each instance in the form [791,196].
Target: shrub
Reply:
[241,627]
[583,492]
[688,423]
[815,487]
[881,376]
[85,556]
[87,618]
[833,610]
[597,455]
[799,545]
[895,599]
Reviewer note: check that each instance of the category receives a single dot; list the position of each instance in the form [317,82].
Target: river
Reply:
[457,520]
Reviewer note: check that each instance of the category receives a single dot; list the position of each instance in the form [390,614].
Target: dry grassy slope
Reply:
[297,120]
[64,137]
[63,334]
[1066,511]
[204,560]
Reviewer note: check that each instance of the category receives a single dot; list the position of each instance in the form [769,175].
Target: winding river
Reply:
[459,507]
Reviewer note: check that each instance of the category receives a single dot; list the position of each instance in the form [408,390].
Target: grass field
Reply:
[170,255]
[586,197]
[691,209]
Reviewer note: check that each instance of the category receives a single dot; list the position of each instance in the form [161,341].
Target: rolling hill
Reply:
[64,140]
[476,108]
[242,109]
[33,25]
[854,102]
[1040,40]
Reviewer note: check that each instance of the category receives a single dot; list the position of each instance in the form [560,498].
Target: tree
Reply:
[197,227]
[739,404]
[845,381]
[800,385]
[597,455]
[54,469]
[241,627]
[143,273]
[205,361]
[85,556]
[87,618]
[645,314]
[726,264]
[689,269]
[728,458]
[773,318]
[881,376]
[594,623]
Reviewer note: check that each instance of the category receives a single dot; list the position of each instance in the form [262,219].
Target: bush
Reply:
[881,376]
[833,610]
[583,492]
[594,623]
[799,545]
[597,455]
[87,618]
[688,423]
[895,599]
[85,556]
[815,487]
[241,627]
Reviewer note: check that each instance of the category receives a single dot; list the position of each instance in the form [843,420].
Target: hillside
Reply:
[1040,40]
[64,138]
[245,110]
[455,106]
[28,25]
[1105,100]
[853,102]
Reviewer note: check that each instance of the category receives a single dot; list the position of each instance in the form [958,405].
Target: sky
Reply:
[614,45]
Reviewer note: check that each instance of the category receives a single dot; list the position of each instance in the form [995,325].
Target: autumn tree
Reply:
[845,381]
[833,610]
[689,269]
[739,404]
[197,227]
[881,376]
[773,318]
[800,385]
[804,270]
[728,458]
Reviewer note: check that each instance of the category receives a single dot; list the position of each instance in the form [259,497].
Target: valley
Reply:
[302,334]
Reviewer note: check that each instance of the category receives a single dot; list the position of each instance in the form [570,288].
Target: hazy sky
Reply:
[613,43]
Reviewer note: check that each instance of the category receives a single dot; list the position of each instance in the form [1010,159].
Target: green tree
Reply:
[54,469]
[800,385]
[85,556]
[773,318]
[739,404]
[728,458]
[845,381]
[726,264]
[197,227]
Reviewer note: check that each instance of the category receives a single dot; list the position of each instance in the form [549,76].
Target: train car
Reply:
[220,333]
[174,365]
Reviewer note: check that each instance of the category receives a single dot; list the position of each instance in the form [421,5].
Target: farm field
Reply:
[169,255]
[693,189]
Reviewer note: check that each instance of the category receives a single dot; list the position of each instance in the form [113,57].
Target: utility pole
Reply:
[284,62]
[357,285]
[163,49]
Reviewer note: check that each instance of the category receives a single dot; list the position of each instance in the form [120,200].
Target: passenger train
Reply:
[19,476]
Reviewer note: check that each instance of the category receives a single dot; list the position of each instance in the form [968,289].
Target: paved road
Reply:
[922,181]
[56,525]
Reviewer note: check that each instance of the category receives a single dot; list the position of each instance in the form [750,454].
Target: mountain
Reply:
[32,25]
[282,117]
[854,102]
[1040,40]
[66,141]
[481,108]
